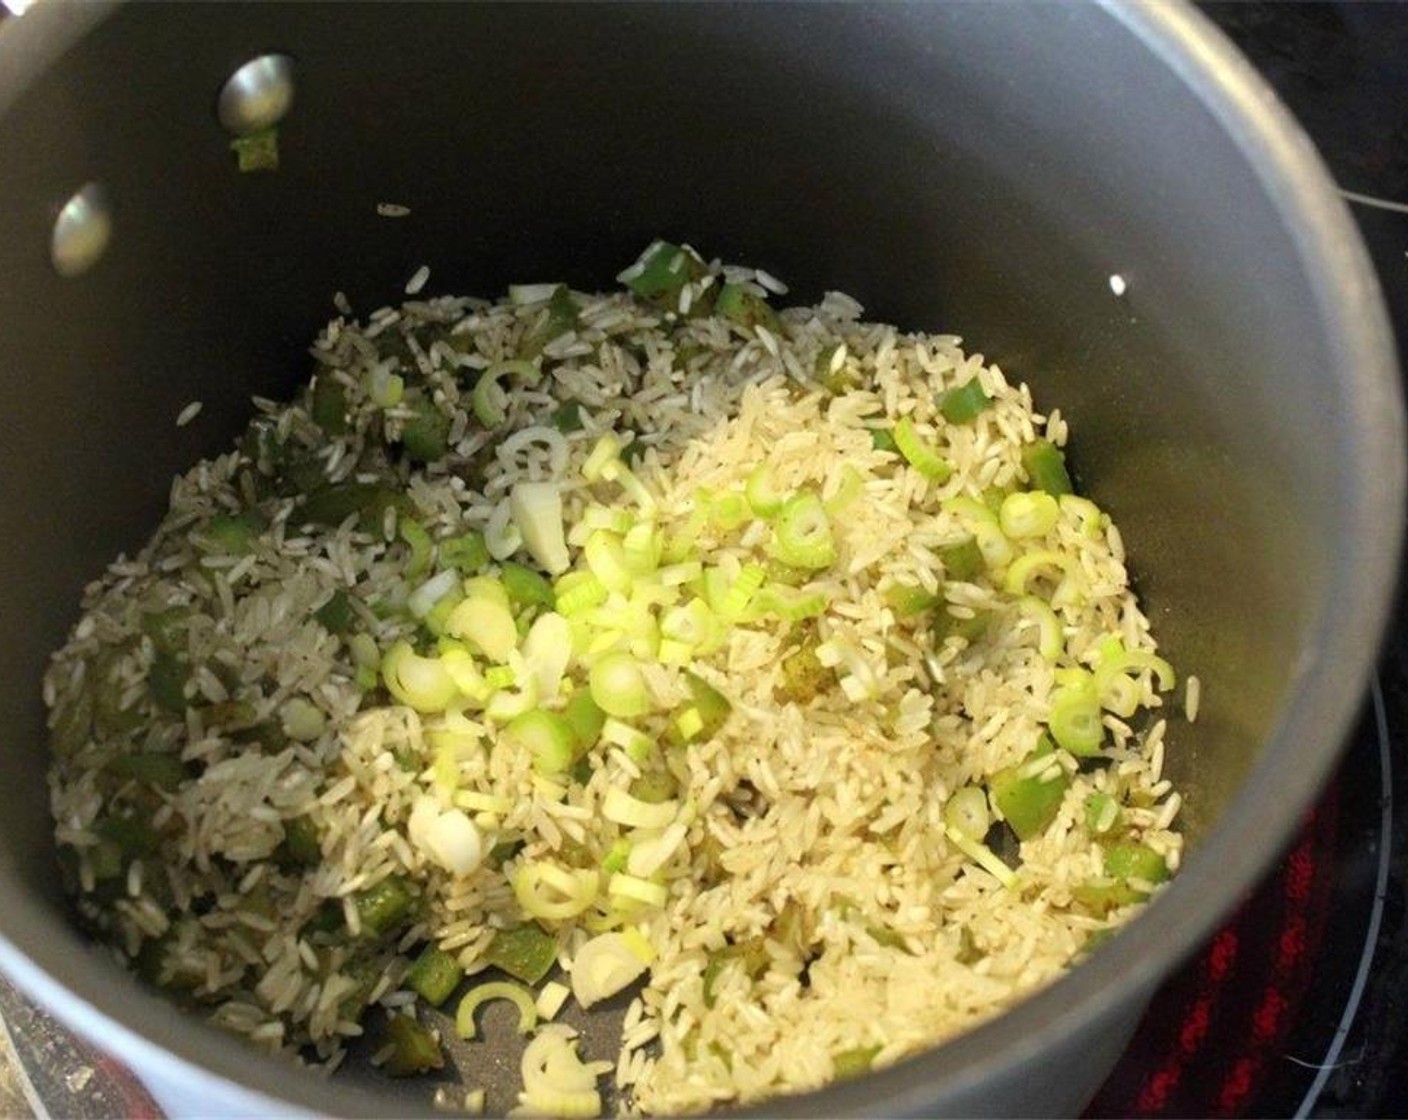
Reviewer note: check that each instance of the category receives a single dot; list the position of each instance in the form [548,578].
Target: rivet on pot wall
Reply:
[81,231]
[258,95]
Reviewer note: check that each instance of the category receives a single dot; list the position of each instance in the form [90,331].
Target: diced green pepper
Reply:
[560,317]
[655,786]
[384,906]
[434,975]
[413,1048]
[301,842]
[586,719]
[1029,804]
[965,403]
[259,151]
[1100,896]
[713,705]
[962,561]
[166,680]
[337,615]
[503,851]
[567,417]
[853,1063]
[664,270]
[748,955]
[467,554]
[233,534]
[1135,861]
[331,505]
[883,439]
[907,600]
[328,406]
[1046,467]
[746,308]
[425,435]
[525,587]
[525,952]
[164,771]
[803,675]
[970,630]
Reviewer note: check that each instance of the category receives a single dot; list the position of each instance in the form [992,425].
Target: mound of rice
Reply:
[820,914]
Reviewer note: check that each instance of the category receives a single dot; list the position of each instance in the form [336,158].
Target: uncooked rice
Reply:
[824,814]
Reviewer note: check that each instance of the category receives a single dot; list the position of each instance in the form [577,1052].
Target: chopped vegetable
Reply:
[414,1048]
[603,967]
[967,811]
[965,403]
[852,1063]
[1031,514]
[525,952]
[467,554]
[1135,861]
[618,687]
[434,975]
[259,151]
[1029,800]
[525,587]
[802,533]
[480,994]
[1046,467]
[546,736]
[384,906]
[962,561]
[919,454]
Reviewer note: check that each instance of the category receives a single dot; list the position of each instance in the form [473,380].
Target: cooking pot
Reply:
[1105,200]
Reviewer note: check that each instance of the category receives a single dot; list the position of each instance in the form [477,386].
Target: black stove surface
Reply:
[1299,1005]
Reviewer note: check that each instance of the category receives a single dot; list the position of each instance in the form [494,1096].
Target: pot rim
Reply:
[163,1042]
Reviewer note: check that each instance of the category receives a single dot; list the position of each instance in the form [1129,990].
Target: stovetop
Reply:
[1299,1004]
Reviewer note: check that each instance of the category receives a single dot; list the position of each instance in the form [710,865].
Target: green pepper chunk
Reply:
[854,1062]
[467,554]
[883,439]
[129,833]
[434,975]
[331,505]
[525,587]
[1029,804]
[425,435]
[746,308]
[413,1048]
[567,417]
[654,787]
[503,851]
[906,600]
[384,906]
[336,615]
[748,955]
[1046,468]
[302,844]
[713,705]
[1135,861]
[164,771]
[559,317]
[259,151]
[948,625]
[233,534]
[328,406]
[525,952]
[965,403]
[962,561]
[1100,896]
[663,271]
[803,675]
[831,375]
[586,719]
[166,680]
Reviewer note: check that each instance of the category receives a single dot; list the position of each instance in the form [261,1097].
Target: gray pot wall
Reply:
[982,169]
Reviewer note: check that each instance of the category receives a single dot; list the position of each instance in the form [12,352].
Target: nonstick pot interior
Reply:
[984,170]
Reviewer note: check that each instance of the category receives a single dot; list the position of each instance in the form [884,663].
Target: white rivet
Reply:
[258,95]
[1117,284]
[81,231]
